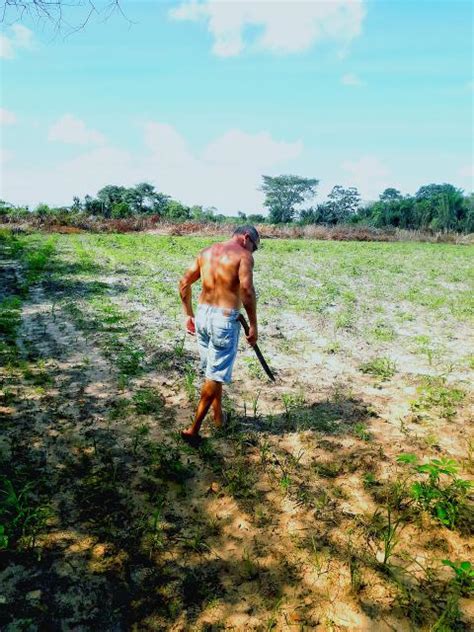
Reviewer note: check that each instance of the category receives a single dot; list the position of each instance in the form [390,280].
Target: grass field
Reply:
[338,498]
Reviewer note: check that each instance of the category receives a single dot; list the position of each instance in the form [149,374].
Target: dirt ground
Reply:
[297,516]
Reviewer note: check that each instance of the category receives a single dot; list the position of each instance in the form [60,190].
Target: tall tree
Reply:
[341,205]
[390,194]
[284,193]
[110,195]
[439,206]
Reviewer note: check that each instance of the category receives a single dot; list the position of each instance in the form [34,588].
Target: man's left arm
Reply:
[191,275]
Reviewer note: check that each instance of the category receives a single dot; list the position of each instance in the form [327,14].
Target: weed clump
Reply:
[21,516]
[148,401]
[441,492]
[382,367]
[10,316]
[435,393]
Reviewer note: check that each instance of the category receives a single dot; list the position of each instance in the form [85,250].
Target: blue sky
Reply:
[202,98]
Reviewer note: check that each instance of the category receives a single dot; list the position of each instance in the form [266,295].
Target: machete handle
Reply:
[244,324]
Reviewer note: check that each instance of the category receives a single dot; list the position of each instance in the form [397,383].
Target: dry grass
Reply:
[154,223]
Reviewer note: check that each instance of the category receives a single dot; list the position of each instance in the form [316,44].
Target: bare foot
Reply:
[191,438]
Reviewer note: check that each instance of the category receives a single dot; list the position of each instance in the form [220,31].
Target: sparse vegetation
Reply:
[103,503]
[383,368]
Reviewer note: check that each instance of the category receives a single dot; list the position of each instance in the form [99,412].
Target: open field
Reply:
[330,501]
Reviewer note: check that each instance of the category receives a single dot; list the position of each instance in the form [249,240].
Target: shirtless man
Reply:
[226,271]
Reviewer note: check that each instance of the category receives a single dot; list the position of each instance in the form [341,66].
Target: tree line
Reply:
[288,199]
[437,207]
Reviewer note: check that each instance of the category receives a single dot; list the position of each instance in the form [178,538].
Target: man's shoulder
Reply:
[246,257]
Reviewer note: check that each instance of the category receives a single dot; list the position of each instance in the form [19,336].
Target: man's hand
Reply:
[190,325]
[252,336]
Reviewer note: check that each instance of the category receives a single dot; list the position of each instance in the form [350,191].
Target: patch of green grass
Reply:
[119,408]
[10,319]
[165,462]
[38,259]
[382,367]
[239,479]
[435,393]
[129,360]
[22,517]
[333,347]
[190,376]
[148,401]
[360,430]
[253,368]
[383,331]
[345,319]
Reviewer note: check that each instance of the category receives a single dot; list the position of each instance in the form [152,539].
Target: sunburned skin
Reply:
[220,267]
[226,272]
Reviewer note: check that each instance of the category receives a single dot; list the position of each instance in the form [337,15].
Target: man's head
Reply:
[247,234]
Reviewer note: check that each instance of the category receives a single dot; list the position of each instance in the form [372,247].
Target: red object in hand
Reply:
[190,325]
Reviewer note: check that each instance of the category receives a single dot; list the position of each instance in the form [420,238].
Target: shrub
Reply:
[442,494]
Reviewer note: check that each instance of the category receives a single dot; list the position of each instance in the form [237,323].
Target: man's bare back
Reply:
[222,267]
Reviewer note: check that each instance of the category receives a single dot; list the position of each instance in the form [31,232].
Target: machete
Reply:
[265,366]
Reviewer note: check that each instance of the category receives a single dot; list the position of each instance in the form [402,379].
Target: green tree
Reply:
[42,210]
[342,204]
[93,206]
[312,215]
[5,208]
[390,194]
[201,214]
[256,218]
[176,211]
[284,193]
[143,198]
[76,205]
[467,222]
[109,196]
[120,210]
[439,207]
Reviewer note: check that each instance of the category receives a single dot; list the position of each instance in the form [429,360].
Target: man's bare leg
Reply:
[209,391]
[217,408]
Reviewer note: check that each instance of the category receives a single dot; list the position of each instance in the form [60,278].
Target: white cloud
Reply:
[7,117]
[283,27]
[225,174]
[235,147]
[351,79]
[19,37]
[466,177]
[369,175]
[69,129]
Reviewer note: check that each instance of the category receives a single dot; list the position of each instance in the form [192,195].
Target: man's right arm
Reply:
[191,275]
[247,294]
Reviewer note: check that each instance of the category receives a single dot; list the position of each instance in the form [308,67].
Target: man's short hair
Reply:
[247,229]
